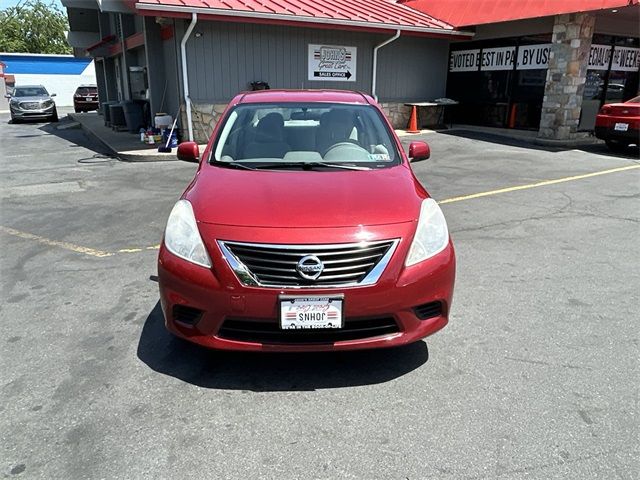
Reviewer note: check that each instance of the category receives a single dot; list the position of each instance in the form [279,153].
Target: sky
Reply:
[12,3]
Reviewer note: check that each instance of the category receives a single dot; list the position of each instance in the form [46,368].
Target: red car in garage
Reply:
[618,124]
[305,229]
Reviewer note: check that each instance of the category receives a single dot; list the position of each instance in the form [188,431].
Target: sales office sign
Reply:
[333,63]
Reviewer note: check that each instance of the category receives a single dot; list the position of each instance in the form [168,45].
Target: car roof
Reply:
[305,96]
[87,85]
[29,86]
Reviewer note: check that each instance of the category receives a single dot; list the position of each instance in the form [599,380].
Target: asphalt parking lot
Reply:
[535,377]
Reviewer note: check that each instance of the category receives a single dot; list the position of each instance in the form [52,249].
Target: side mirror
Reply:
[7,95]
[189,152]
[419,151]
[53,95]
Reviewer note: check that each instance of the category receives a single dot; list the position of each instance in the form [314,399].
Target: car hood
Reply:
[303,199]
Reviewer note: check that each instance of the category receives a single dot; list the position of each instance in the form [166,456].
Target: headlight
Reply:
[432,235]
[182,237]
[47,103]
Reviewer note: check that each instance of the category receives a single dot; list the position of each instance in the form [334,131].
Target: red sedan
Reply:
[305,229]
[618,124]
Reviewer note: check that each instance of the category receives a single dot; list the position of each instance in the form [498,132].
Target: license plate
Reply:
[89,99]
[310,313]
[621,127]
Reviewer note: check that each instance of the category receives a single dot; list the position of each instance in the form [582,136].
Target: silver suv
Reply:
[32,102]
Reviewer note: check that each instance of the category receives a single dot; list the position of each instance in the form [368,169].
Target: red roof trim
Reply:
[106,40]
[376,15]
[289,23]
[135,40]
[464,13]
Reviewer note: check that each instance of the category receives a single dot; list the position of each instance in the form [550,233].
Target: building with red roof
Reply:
[500,60]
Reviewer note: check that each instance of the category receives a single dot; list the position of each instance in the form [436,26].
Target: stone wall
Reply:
[566,75]
[399,114]
[204,116]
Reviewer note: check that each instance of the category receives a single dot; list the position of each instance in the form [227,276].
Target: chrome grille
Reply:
[353,264]
[30,105]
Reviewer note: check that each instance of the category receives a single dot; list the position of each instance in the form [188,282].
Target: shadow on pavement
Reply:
[263,372]
[596,148]
[73,134]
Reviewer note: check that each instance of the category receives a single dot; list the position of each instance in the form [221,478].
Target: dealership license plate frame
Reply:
[621,127]
[333,301]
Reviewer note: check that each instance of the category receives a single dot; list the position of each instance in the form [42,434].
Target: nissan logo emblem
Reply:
[309,267]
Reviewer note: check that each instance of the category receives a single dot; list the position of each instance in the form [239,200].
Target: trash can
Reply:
[133,115]
[105,112]
[116,115]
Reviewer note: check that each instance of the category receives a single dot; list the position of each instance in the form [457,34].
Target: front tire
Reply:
[54,117]
[616,145]
[14,120]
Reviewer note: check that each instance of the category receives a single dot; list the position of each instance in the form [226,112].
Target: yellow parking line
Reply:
[101,254]
[55,243]
[537,184]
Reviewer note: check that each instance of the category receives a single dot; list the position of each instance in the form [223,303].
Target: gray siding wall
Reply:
[228,56]
[171,75]
[413,69]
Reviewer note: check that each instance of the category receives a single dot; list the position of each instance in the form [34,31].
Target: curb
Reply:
[543,142]
[125,156]
[578,142]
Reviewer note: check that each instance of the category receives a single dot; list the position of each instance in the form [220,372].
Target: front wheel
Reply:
[54,117]
[14,120]
[616,145]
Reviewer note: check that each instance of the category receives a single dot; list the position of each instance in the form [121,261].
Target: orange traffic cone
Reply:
[413,121]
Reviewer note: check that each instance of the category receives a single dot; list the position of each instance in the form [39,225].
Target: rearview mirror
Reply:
[419,151]
[189,152]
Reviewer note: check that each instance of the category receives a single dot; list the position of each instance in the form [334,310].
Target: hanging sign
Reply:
[332,63]
[599,57]
[626,59]
[533,57]
[464,61]
[497,58]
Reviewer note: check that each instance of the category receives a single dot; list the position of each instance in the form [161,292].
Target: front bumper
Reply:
[17,112]
[220,297]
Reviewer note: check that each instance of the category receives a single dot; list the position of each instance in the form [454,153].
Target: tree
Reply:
[33,27]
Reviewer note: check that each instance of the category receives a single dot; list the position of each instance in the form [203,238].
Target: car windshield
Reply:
[288,135]
[29,92]
[634,100]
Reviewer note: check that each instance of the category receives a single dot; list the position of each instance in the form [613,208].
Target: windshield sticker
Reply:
[379,157]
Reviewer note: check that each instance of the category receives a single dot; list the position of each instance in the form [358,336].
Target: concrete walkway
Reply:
[123,145]
[509,134]
[128,147]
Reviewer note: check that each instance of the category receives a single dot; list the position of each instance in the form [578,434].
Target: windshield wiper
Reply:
[232,165]
[307,166]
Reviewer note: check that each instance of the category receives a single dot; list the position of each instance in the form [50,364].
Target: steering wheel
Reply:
[349,149]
